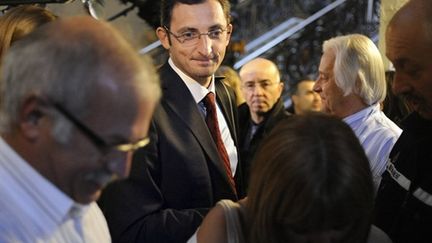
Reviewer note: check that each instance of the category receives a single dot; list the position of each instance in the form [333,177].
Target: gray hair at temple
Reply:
[65,65]
[358,67]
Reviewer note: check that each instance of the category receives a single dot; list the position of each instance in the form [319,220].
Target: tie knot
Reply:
[209,99]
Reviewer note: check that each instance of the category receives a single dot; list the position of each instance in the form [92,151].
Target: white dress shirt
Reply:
[32,209]
[377,134]
[199,92]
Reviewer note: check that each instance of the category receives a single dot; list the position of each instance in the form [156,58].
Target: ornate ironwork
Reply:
[299,55]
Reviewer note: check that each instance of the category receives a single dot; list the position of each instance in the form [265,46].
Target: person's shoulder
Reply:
[243,112]
[278,114]
[376,235]
[243,107]
[15,227]
[213,227]
[166,72]
[380,127]
[388,124]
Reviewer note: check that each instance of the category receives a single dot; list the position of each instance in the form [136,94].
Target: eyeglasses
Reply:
[192,37]
[265,85]
[97,140]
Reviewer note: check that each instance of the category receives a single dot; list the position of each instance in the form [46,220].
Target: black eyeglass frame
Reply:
[198,37]
[97,140]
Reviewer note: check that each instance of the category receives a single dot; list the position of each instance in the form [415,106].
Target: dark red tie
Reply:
[213,125]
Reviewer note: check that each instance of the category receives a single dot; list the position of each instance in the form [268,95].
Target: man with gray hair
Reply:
[76,101]
[352,84]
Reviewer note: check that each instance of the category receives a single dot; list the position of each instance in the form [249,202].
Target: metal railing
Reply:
[288,33]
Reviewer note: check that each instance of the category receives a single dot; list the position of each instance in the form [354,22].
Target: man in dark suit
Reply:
[181,174]
[261,86]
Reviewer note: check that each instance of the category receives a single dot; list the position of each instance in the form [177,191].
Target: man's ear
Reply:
[30,115]
[163,37]
[229,32]
[294,99]
[282,85]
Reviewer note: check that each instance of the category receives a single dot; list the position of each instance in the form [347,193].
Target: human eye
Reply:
[189,35]
[412,71]
[408,67]
[250,85]
[266,84]
[323,77]
[215,34]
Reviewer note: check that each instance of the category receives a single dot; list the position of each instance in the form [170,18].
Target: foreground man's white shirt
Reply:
[32,209]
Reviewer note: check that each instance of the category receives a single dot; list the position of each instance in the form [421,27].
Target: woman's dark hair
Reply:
[310,182]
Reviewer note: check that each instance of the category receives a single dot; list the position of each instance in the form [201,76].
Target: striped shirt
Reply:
[32,209]
[377,134]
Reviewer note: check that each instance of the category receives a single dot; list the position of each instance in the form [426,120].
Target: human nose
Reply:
[258,89]
[205,44]
[317,87]
[400,84]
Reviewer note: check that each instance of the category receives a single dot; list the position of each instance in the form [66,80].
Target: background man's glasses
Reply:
[192,37]
[97,140]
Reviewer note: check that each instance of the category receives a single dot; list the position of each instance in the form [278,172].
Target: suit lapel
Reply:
[225,103]
[177,98]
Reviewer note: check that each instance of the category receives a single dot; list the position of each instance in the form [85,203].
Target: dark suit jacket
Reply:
[399,211]
[249,148]
[178,177]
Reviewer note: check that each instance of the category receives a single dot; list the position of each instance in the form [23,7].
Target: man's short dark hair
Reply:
[167,7]
[294,89]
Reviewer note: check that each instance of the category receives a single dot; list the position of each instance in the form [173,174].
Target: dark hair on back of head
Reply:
[167,7]
[310,182]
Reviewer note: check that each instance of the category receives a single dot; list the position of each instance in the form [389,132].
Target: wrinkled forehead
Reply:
[327,61]
[258,75]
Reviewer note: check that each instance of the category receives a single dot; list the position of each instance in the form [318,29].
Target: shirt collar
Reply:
[362,113]
[198,91]
[52,204]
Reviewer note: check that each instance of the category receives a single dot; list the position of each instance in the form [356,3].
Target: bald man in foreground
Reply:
[262,88]
[404,199]
[76,101]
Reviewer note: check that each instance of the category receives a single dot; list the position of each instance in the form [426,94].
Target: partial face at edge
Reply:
[305,98]
[410,52]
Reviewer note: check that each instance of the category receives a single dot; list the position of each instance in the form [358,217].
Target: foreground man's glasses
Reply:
[97,140]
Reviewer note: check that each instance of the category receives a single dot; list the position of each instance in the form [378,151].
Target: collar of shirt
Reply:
[362,114]
[39,198]
[198,91]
